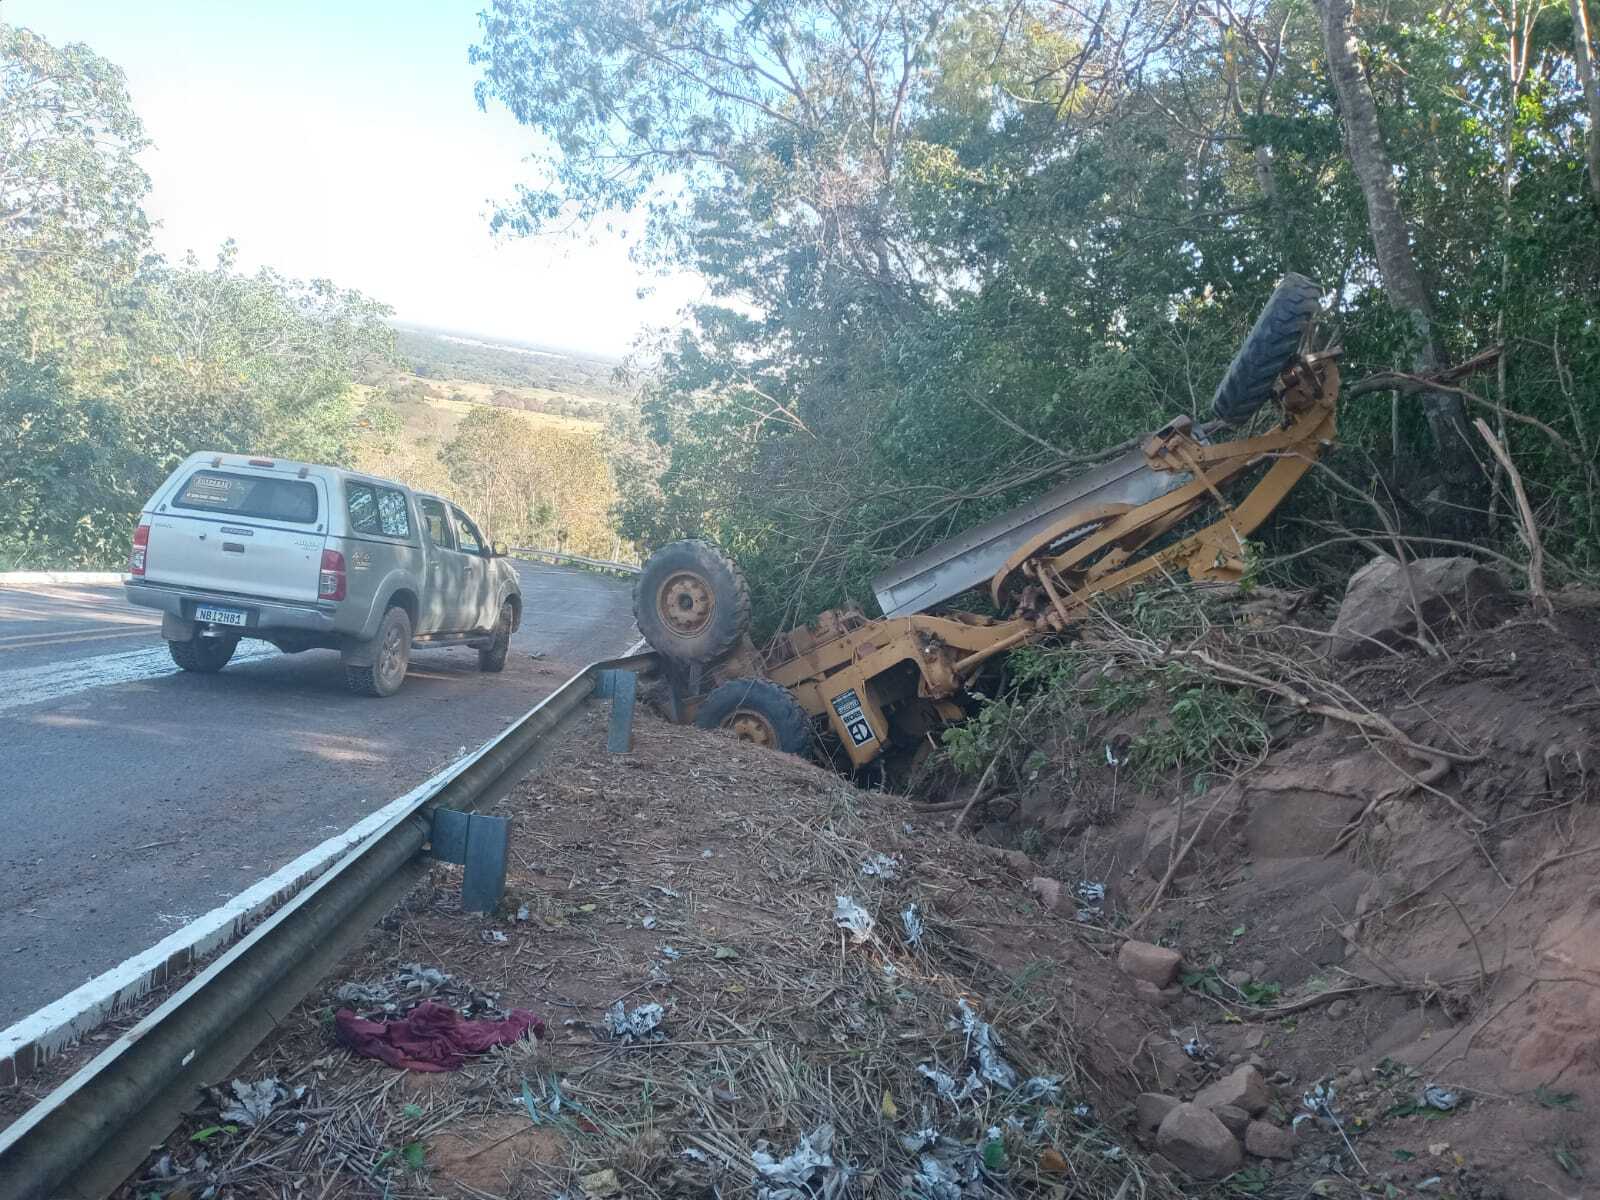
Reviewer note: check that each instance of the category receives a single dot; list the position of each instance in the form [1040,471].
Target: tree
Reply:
[1392,237]
[72,225]
[1583,60]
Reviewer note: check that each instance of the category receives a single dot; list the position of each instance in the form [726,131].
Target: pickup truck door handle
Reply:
[232,548]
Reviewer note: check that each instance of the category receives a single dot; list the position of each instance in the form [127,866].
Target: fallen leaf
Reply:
[587,907]
[415,1154]
[887,1108]
[726,952]
[1053,1161]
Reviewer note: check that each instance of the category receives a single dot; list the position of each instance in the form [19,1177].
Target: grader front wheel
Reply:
[758,711]
[691,602]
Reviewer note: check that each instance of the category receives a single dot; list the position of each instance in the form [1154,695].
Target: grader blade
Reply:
[971,558]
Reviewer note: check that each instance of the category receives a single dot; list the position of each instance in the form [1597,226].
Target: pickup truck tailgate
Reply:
[240,531]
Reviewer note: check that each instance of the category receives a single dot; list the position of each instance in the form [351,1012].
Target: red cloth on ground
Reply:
[431,1037]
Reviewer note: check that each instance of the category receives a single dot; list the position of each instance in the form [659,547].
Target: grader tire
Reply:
[691,602]
[758,711]
[1272,342]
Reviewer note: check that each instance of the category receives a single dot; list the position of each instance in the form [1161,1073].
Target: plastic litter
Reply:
[1041,1087]
[668,952]
[912,920]
[493,937]
[1440,1098]
[669,893]
[1084,1112]
[408,987]
[546,1103]
[1196,1049]
[919,1139]
[807,1173]
[852,918]
[883,866]
[983,1043]
[945,1169]
[252,1103]
[643,1024]
[1091,899]
[945,1084]
[522,912]
[649,922]
[1318,1105]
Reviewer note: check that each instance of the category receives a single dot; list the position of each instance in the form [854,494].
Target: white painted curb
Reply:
[36,578]
[39,1037]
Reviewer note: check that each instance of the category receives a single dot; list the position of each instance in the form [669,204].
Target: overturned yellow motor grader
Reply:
[875,682]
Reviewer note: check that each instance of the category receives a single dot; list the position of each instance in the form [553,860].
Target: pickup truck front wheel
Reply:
[206,656]
[388,656]
[492,658]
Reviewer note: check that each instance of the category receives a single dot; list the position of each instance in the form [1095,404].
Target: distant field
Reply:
[446,414]
[452,358]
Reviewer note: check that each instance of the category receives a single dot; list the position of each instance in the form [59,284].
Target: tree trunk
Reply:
[1390,236]
[1582,55]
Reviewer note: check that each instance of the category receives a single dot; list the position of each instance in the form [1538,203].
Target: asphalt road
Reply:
[134,798]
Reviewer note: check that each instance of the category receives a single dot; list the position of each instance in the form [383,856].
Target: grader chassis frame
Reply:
[869,677]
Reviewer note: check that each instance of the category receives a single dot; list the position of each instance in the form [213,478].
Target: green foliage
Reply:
[115,363]
[950,251]
[1207,728]
[972,745]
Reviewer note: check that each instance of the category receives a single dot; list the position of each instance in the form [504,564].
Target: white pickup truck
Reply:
[306,557]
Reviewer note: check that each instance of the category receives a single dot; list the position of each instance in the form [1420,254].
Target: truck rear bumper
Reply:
[262,616]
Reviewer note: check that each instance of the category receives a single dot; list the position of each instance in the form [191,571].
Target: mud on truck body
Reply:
[1181,500]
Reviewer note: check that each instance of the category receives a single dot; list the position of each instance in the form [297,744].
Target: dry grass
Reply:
[776,1022]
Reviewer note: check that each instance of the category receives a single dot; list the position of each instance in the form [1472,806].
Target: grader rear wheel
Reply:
[760,712]
[691,602]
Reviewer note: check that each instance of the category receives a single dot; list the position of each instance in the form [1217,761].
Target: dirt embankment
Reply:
[1398,896]
[1350,911]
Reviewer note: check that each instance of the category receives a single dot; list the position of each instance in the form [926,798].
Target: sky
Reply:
[340,139]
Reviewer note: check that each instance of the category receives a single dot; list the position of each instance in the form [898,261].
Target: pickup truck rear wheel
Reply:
[691,602]
[206,656]
[759,711]
[391,655]
[492,657]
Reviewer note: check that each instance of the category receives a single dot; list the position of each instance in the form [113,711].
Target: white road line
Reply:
[53,681]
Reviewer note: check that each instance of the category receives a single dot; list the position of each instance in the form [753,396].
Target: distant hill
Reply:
[444,354]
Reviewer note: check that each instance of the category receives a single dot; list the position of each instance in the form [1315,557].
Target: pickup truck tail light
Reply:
[141,550]
[330,584]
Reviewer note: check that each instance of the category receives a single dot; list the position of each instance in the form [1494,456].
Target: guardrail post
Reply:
[485,880]
[479,843]
[622,687]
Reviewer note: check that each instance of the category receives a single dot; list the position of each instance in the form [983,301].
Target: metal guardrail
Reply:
[557,557]
[84,1138]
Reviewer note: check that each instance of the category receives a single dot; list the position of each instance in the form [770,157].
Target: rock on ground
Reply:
[1144,960]
[1234,1118]
[1193,1140]
[1150,1109]
[1244,1088]
[1266,1140]
[1378,611]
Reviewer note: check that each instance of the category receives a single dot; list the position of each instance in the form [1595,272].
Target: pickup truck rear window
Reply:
[250,496]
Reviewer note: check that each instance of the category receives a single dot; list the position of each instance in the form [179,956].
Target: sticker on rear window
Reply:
[258,496]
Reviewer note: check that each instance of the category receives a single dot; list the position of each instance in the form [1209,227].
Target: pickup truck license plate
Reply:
[219,616]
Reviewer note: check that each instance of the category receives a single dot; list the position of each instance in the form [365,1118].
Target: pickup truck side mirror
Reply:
[498,549]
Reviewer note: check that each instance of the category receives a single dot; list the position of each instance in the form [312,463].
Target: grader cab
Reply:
[1180,501]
